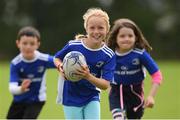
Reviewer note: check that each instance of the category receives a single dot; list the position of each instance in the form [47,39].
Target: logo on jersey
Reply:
[40,69]
[135,61]
[100,64]
[30,76]
[124,68]
[21,70]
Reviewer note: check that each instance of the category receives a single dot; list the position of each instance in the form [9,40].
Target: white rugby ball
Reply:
[71,62]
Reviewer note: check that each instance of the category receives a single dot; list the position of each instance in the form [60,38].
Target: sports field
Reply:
[167,100]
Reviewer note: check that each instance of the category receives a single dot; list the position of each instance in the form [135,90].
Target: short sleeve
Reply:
[108,69]
[14,76]
[50,62]
[149,63]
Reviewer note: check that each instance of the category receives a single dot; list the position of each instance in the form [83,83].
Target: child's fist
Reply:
[25,85]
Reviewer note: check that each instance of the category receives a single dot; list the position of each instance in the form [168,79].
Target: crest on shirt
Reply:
[22,70]
[30,75]
[124,68]
[135,61]
[100,64]
[40,69]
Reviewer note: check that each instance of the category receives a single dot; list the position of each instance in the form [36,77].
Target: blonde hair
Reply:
[80,37]
[96,12]
[93,12]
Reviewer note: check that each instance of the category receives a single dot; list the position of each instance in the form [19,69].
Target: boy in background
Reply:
[27,76]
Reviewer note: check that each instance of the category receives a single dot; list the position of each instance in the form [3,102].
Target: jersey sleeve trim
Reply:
[75,42]
[108,51]
[17,59]
[14,88]
[139,51]
[42,56]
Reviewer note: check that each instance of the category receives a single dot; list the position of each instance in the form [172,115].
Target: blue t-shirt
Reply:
[34,70]
[101,63]
[130,67]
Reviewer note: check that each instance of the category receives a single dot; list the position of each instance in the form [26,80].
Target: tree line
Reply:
[60,20]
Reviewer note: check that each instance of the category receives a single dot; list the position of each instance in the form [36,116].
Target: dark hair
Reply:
[28,31]
[140,42]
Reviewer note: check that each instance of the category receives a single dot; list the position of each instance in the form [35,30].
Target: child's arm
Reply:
[149,102]
[17,90]
[156,81]
[98,82]
[58,64]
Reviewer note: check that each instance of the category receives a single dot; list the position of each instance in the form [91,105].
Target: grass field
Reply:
[167,100]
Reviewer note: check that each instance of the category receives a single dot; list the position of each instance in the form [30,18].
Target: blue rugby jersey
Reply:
[130,67]
[34,70]
[101,63]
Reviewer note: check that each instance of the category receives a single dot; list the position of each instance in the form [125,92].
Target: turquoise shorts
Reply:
[89,111]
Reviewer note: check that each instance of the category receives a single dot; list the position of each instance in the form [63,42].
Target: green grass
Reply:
[167,99]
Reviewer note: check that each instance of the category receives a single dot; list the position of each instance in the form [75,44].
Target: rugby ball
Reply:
[71,62]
